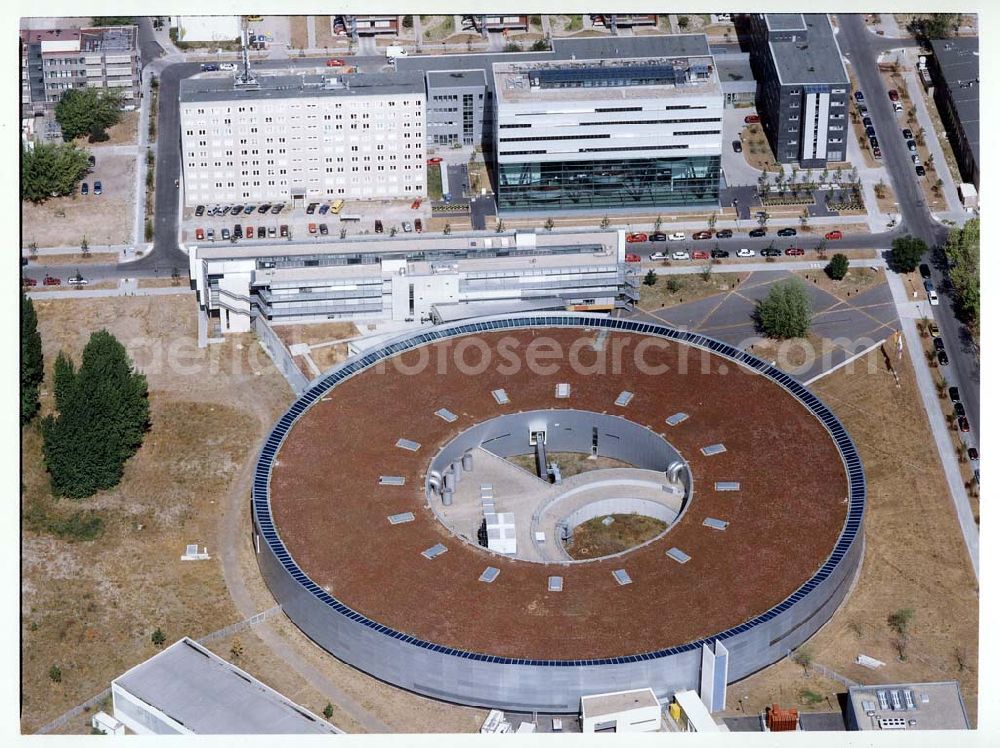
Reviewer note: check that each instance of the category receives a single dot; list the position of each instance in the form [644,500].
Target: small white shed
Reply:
[621,711]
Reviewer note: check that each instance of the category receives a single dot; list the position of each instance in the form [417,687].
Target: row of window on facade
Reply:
[214,111]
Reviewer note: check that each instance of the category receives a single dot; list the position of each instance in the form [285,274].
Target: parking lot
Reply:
[102,219]
[392,214]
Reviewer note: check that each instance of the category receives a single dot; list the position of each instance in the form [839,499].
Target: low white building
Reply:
[188,690]
[206,28]
[299,137]
[622,711]
[408,278]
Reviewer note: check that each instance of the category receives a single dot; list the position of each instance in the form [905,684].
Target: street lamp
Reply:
[736,205]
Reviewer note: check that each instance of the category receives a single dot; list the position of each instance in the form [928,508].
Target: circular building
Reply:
[413,509]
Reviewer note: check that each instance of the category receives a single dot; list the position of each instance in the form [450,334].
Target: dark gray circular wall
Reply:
[479,678]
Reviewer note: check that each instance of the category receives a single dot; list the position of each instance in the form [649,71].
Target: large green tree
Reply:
[103,413]
[31,360]
[906,253]
[86,111]
[962,251]
[838,266]
[784,312]
[113,20]
[51,170]
[935,25]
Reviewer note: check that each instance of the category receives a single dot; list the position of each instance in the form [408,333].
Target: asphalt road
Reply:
[861,48]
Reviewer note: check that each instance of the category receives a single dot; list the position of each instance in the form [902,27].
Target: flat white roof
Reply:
[210,696]
[601,704]
[696,711]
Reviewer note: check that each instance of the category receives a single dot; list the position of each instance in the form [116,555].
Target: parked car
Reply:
[334,62]
[921,171]
[407,227]
[787,232]
[272,231]
[942,358]
[959,409]
[914,158]
[225,234]
[51,281]
[29,281]
[737,146]
[938,344]
[702,235]
[210,235]
[418,225]
[657,236]
[953,394]
[893,94]
[870,131]
[209,68]
[907,133]
[84,189]
[199,234]
[78,280]
[680,255]
[312,228]
[724,234]
[877,153]
[323,230]
[795,251]
[264,208]
[229,67]
[677,236]
[97,188]
[630,238]
[932,297]
[862,110]
[963,424]
[699,254]
[897,107]
[238,231]
[415,205]
[323,208]
[200,210]
[873,141]
[935,332]
[248,231]
[744,252]
[867,122]
[770,252]
[284,230]
[632,257]
[225,211]
[718,254]
[925,270]
[833,235]
[275,210]
[973,454]
[434,160]
[378,227]
[758,233]
[858,96]
[911,146]
[657,256]
[311,208]
[751,119]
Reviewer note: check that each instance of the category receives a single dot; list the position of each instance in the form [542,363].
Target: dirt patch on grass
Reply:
[90,607]
[321,332]
[328,355]
[914,556]
[756,149]
[94,258]
[594,538]
[570,463]
[856,281]
[124,133]
[298,27]
[677,289]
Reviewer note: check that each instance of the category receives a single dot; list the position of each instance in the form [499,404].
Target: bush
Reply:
[158,637]
[784,313]
[651,278]
[149,230]
[837,268]
[407,22]
[51,170]
[55,674]
[906,254]
[31,360]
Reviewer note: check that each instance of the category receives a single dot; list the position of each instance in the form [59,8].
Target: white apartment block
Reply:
[302,137]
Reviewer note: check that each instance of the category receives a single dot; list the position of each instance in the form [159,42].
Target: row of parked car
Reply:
[235,210]
[716,254]
[51,280]
[679,236]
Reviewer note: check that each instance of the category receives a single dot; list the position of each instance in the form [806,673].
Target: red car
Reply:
[702,235]
[248,232]
[312,228]
[434,160]
[636,238]
[630,257]
[199,234]
[29,281]
[700,254]
[50,281]
[418,225]
[415,205]
[751,119]
[795,251]
[334,62]
[831,235]
[893,95]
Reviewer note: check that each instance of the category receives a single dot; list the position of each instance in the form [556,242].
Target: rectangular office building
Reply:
[607,133]
[803,87]
[955,70]
[301,137]
[455,101]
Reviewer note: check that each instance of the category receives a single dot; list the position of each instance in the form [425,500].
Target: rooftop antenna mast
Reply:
[246,78]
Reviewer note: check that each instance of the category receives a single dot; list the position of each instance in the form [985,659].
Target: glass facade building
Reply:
[667,182]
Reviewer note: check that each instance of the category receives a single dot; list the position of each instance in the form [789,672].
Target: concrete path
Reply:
[887,24]
[311,31]
[939,426]
[674,28]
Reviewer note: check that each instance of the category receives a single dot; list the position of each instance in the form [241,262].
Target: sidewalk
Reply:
[759,267]
[909,311]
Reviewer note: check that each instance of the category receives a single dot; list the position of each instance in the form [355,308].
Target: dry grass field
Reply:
[856,280]
[90,607]
[594,539]
[914,554]
[677,289]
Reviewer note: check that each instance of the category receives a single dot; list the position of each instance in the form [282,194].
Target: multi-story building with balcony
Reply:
[56,60]
[288,138]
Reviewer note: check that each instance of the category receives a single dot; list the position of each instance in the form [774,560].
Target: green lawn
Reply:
[434,181]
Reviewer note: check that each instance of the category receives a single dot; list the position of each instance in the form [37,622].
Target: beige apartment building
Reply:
[302,137]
